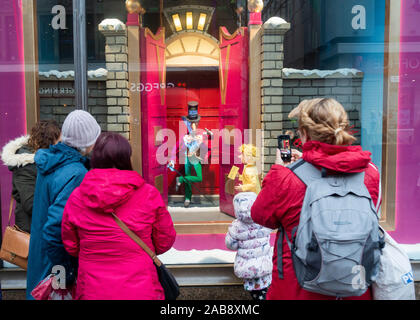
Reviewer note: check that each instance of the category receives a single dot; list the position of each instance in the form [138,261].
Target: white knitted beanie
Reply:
[80,129]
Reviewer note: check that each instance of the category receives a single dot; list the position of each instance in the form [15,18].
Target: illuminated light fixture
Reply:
[202,21]
[189,20]
[177,22]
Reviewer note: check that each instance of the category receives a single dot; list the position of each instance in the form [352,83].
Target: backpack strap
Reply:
[305,171]
[280,252]
[282,234]
[378,202]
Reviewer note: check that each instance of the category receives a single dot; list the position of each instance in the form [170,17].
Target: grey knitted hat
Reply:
[80,129]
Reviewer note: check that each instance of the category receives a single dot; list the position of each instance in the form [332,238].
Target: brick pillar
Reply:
[272,86]
[116,55]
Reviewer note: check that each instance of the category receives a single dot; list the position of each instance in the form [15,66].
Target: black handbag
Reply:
[167,280]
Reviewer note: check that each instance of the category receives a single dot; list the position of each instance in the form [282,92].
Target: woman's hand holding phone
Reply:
[296,155]
[279,160]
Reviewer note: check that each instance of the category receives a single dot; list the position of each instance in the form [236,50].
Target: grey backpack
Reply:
[337,245]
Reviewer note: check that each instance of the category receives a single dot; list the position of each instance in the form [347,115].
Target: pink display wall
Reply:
[408,144]
[12,88]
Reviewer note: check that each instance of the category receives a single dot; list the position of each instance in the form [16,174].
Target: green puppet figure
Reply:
[191,146]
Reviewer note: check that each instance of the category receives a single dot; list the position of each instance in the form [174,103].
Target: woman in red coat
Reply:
[111,265]
[323,128]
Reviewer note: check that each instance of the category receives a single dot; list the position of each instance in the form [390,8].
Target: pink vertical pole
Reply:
[407,213]
[12,89]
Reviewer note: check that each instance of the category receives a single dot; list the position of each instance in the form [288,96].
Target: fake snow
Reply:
[321,73]
[112,24]
[274,22]
[57,74]
[101,72]
[174,256]
[195,209]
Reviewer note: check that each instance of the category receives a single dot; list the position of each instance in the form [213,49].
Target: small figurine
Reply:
[250,178]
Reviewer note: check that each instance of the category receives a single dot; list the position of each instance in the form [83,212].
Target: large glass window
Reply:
[55,30]
[329,35]
[147,70]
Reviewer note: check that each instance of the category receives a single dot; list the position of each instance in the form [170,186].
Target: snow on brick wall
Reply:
[57,99]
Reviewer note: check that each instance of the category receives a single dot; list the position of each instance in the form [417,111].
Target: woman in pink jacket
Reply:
[111,265]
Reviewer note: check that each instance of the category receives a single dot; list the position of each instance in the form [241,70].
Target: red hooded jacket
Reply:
[280,202]
[111,265]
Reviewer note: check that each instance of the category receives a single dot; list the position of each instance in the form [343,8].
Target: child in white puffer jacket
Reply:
[253,262]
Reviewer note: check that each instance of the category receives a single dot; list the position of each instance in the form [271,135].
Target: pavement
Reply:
[187,293]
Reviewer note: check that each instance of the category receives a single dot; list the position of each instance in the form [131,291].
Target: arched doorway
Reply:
[192,49]
[192,66]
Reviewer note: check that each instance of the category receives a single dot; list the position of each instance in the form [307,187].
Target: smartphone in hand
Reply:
[285,147]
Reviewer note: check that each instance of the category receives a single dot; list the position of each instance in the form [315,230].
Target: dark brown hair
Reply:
[111,150]
[44,134]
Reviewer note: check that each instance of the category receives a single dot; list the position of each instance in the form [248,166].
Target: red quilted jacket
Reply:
[280,202]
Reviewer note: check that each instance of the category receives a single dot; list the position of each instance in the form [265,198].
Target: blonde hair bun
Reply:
[324,120]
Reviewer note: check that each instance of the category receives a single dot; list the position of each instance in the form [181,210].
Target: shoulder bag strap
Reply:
[137,240]
[12,201]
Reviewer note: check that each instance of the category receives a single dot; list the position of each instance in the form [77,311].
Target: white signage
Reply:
[59,21]
[359,20]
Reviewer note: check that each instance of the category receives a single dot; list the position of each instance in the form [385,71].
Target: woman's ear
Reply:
[304,136]
[308,138]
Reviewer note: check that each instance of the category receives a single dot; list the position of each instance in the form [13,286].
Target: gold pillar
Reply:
[255,41]
[255,36]
[30,43]
[390,112]
[133,33]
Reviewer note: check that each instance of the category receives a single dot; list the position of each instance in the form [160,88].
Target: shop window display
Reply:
[360,52]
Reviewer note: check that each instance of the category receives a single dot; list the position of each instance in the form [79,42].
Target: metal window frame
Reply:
[80,55]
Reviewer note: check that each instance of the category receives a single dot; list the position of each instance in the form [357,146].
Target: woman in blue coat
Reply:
[61,169]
